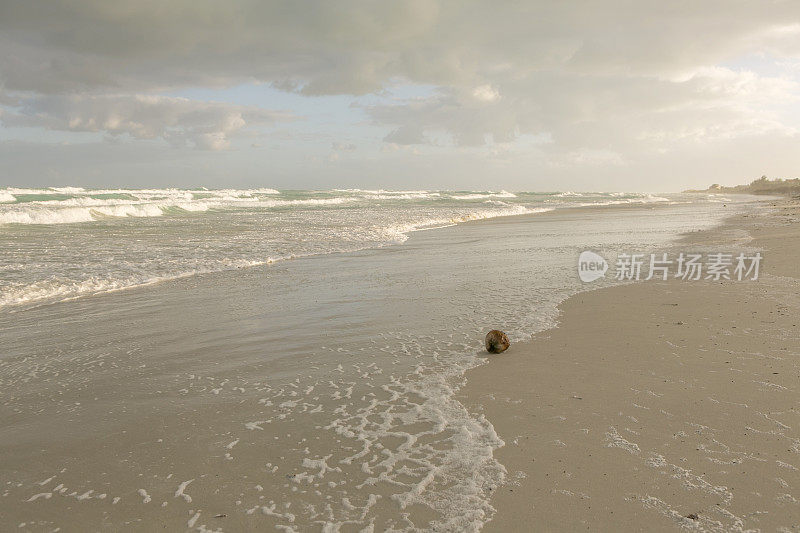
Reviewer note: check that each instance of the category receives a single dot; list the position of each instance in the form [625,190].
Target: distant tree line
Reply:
[762,185]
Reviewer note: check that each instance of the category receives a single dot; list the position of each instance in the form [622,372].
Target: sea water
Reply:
[65,242]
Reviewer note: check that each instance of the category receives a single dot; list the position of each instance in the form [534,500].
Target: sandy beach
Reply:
[319,393]
[658,405]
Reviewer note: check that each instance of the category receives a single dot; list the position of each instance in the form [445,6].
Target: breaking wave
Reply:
[482,195]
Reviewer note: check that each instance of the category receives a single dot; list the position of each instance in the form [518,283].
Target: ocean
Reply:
[67,242]
[241,359]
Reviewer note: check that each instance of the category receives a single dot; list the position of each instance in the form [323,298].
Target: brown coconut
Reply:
[497,341]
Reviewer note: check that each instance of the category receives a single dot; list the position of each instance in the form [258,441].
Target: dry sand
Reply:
[655,401]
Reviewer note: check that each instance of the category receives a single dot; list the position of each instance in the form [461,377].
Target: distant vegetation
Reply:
[760,186]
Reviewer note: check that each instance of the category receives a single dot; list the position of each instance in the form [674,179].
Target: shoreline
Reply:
[652,402]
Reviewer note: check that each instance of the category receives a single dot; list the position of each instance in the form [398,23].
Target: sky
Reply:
[415,94]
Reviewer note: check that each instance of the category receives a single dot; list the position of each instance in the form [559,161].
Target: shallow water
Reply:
[304,394]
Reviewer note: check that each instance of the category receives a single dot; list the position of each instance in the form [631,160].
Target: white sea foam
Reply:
[46,216]
[478,196]
[307,202]
[6,197]
[69,215]
[402,196]
[399,233]
[68,190]
[387,192]
[60,289]
[90,209]
[611,198]
[405,432]
[19,190]
[644,199]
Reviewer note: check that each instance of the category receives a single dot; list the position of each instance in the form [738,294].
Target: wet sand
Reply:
[658,405]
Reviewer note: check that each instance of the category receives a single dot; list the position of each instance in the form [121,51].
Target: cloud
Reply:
[608,83]
[486,93]
[203,125]
[358,46]
[598,112]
